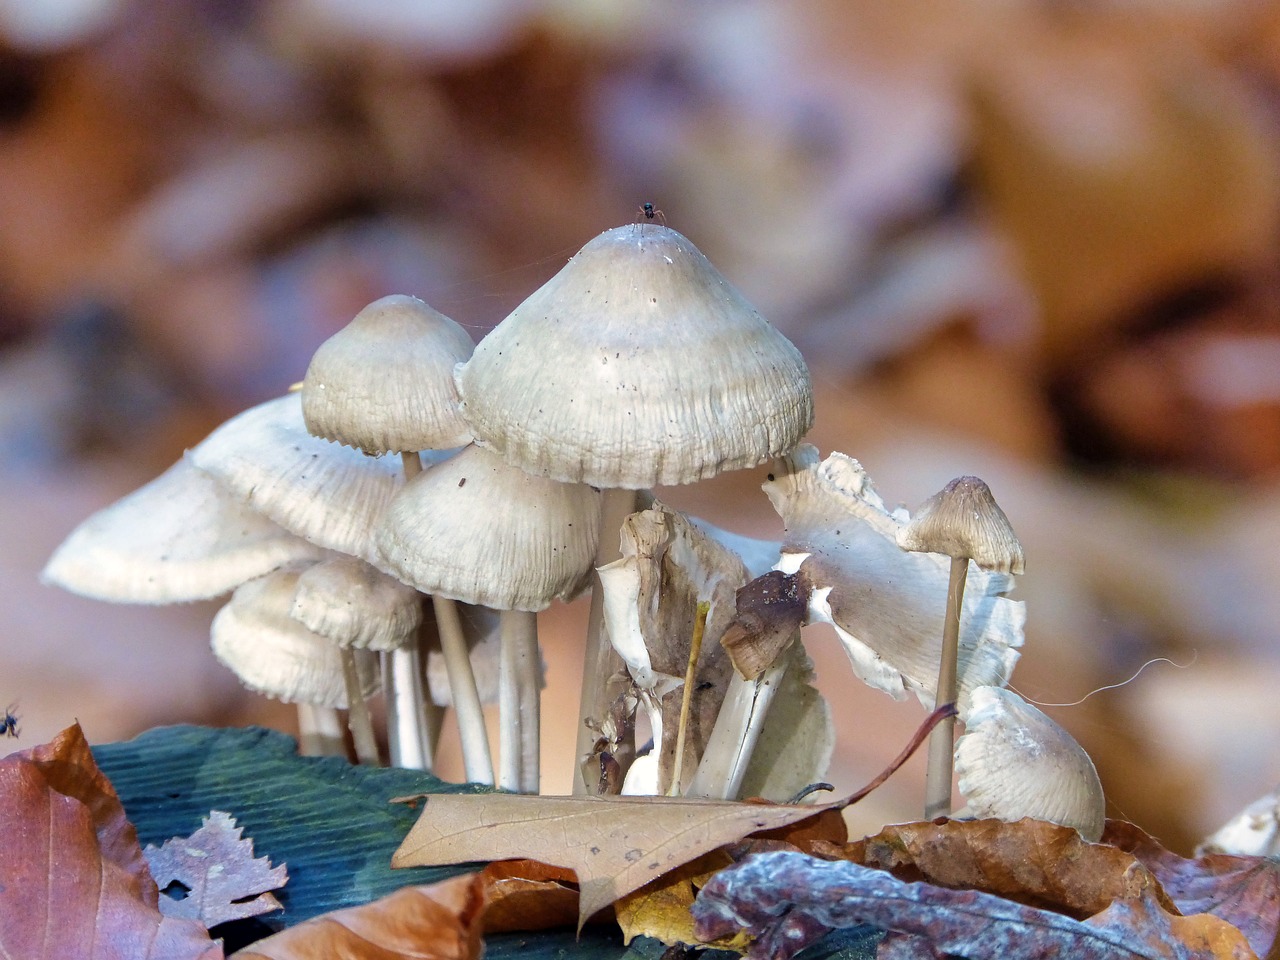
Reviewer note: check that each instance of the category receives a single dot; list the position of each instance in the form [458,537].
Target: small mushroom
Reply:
[1014,762]
[962,521]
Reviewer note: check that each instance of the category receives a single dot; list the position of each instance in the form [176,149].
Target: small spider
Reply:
[9,723]
[650,212]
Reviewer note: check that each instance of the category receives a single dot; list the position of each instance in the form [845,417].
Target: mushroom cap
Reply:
[326,493]
[182,537]
[477,529]
[254,636]
[1013,761]
[354,605]
[384,382]
[963,520]
[637,364]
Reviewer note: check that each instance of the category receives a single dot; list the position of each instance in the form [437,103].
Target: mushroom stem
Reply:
[358,720]
[476,759]
[319,732]
[737,729]
[529,683]
[510,736]
[938,774]
[601,661]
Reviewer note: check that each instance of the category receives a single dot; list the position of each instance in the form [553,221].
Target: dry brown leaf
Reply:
[528,895]
[1033,862]
[615,845]
[439,921]
[1244,891]
[217,867]
[75,882]
[660,909]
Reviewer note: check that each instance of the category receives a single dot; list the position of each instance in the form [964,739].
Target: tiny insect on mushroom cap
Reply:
[637,364]
[255,636]
[964,520]
[1014,762]
[481,531]
[354,605]
[384,382]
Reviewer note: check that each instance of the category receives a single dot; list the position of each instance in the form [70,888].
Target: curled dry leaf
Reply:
[528,895]
[1244,891]
[787,901]
[75,882]
[614,844]
[218,869]
[439,921]
[1033,862]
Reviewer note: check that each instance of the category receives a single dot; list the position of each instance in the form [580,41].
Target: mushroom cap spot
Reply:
[963,520]
[1013,761]
[274,654]
[477,529]
[355,605]
[326,493]
[180,538]
[637,364]
[384,382]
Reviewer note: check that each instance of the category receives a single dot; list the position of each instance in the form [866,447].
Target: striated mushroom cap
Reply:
[182,537]
[637,364]
[479,530]
[963,520]
[354,605]
[1013,762]
[255,637]
[384,382]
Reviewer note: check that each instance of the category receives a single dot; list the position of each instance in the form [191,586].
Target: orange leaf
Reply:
[528,895]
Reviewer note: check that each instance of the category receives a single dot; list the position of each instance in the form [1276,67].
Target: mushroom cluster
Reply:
[520,469]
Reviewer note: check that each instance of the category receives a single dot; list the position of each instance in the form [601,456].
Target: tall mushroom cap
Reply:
[479,530]
[255,636]
[384,382]
[182,537]
[1013,761]
[963,520]
[354,605]
[637,364]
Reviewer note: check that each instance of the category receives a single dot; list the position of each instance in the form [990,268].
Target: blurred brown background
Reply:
[1034,241]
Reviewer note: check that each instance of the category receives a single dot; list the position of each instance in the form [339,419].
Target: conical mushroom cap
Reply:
[179,538]
[355,605]
[637,364]
[963,520]
[478,530]
[254,636]
[1013,761]
[326,493]
[384,382]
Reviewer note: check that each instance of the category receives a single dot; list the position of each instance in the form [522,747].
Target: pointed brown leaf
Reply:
[75,882]
[439,921]
[1244,891]
[1033,862]
[217,867]
[614,844]
[788,900]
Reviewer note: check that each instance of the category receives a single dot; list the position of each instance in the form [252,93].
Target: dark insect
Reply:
[650,212]
[9,724]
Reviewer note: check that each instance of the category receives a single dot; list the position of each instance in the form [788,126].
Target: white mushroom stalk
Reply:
[637,364]
[384,384]
[1014,762]
[478,530]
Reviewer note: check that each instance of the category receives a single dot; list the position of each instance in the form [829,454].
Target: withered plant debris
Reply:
[218,873]
[770,609]
[787,901]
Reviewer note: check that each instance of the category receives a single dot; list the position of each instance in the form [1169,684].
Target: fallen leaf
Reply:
[528,895]
[787,901]
[440,921]
[614,844]
[75,881]
[661,908]
[217,868]
[1244,891]
[1031,861]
